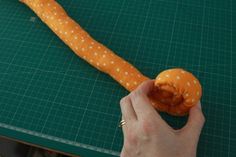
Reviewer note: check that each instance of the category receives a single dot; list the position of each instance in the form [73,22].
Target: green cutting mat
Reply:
[52,98]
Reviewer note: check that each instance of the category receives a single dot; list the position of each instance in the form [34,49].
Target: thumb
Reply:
[195,122]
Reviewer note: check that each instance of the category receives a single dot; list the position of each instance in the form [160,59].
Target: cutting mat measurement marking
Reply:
[56,139]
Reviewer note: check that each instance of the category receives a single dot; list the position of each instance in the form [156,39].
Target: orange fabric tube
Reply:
[176,91]
[102,58]
[163,97]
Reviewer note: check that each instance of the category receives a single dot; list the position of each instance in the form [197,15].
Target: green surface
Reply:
[52,98]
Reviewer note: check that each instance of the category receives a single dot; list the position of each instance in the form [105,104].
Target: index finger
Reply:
[145,87]
[140,101]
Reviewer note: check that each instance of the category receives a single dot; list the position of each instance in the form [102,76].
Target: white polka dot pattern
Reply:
[177,89]
[84,45]
[180,88]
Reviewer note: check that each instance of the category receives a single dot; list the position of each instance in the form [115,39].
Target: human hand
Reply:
[146,134]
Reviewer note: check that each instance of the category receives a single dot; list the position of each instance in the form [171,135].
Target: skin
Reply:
[146,134]
[172,82]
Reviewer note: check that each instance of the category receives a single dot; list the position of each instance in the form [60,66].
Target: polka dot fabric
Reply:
[102,58]
[176,91]
[96,54]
